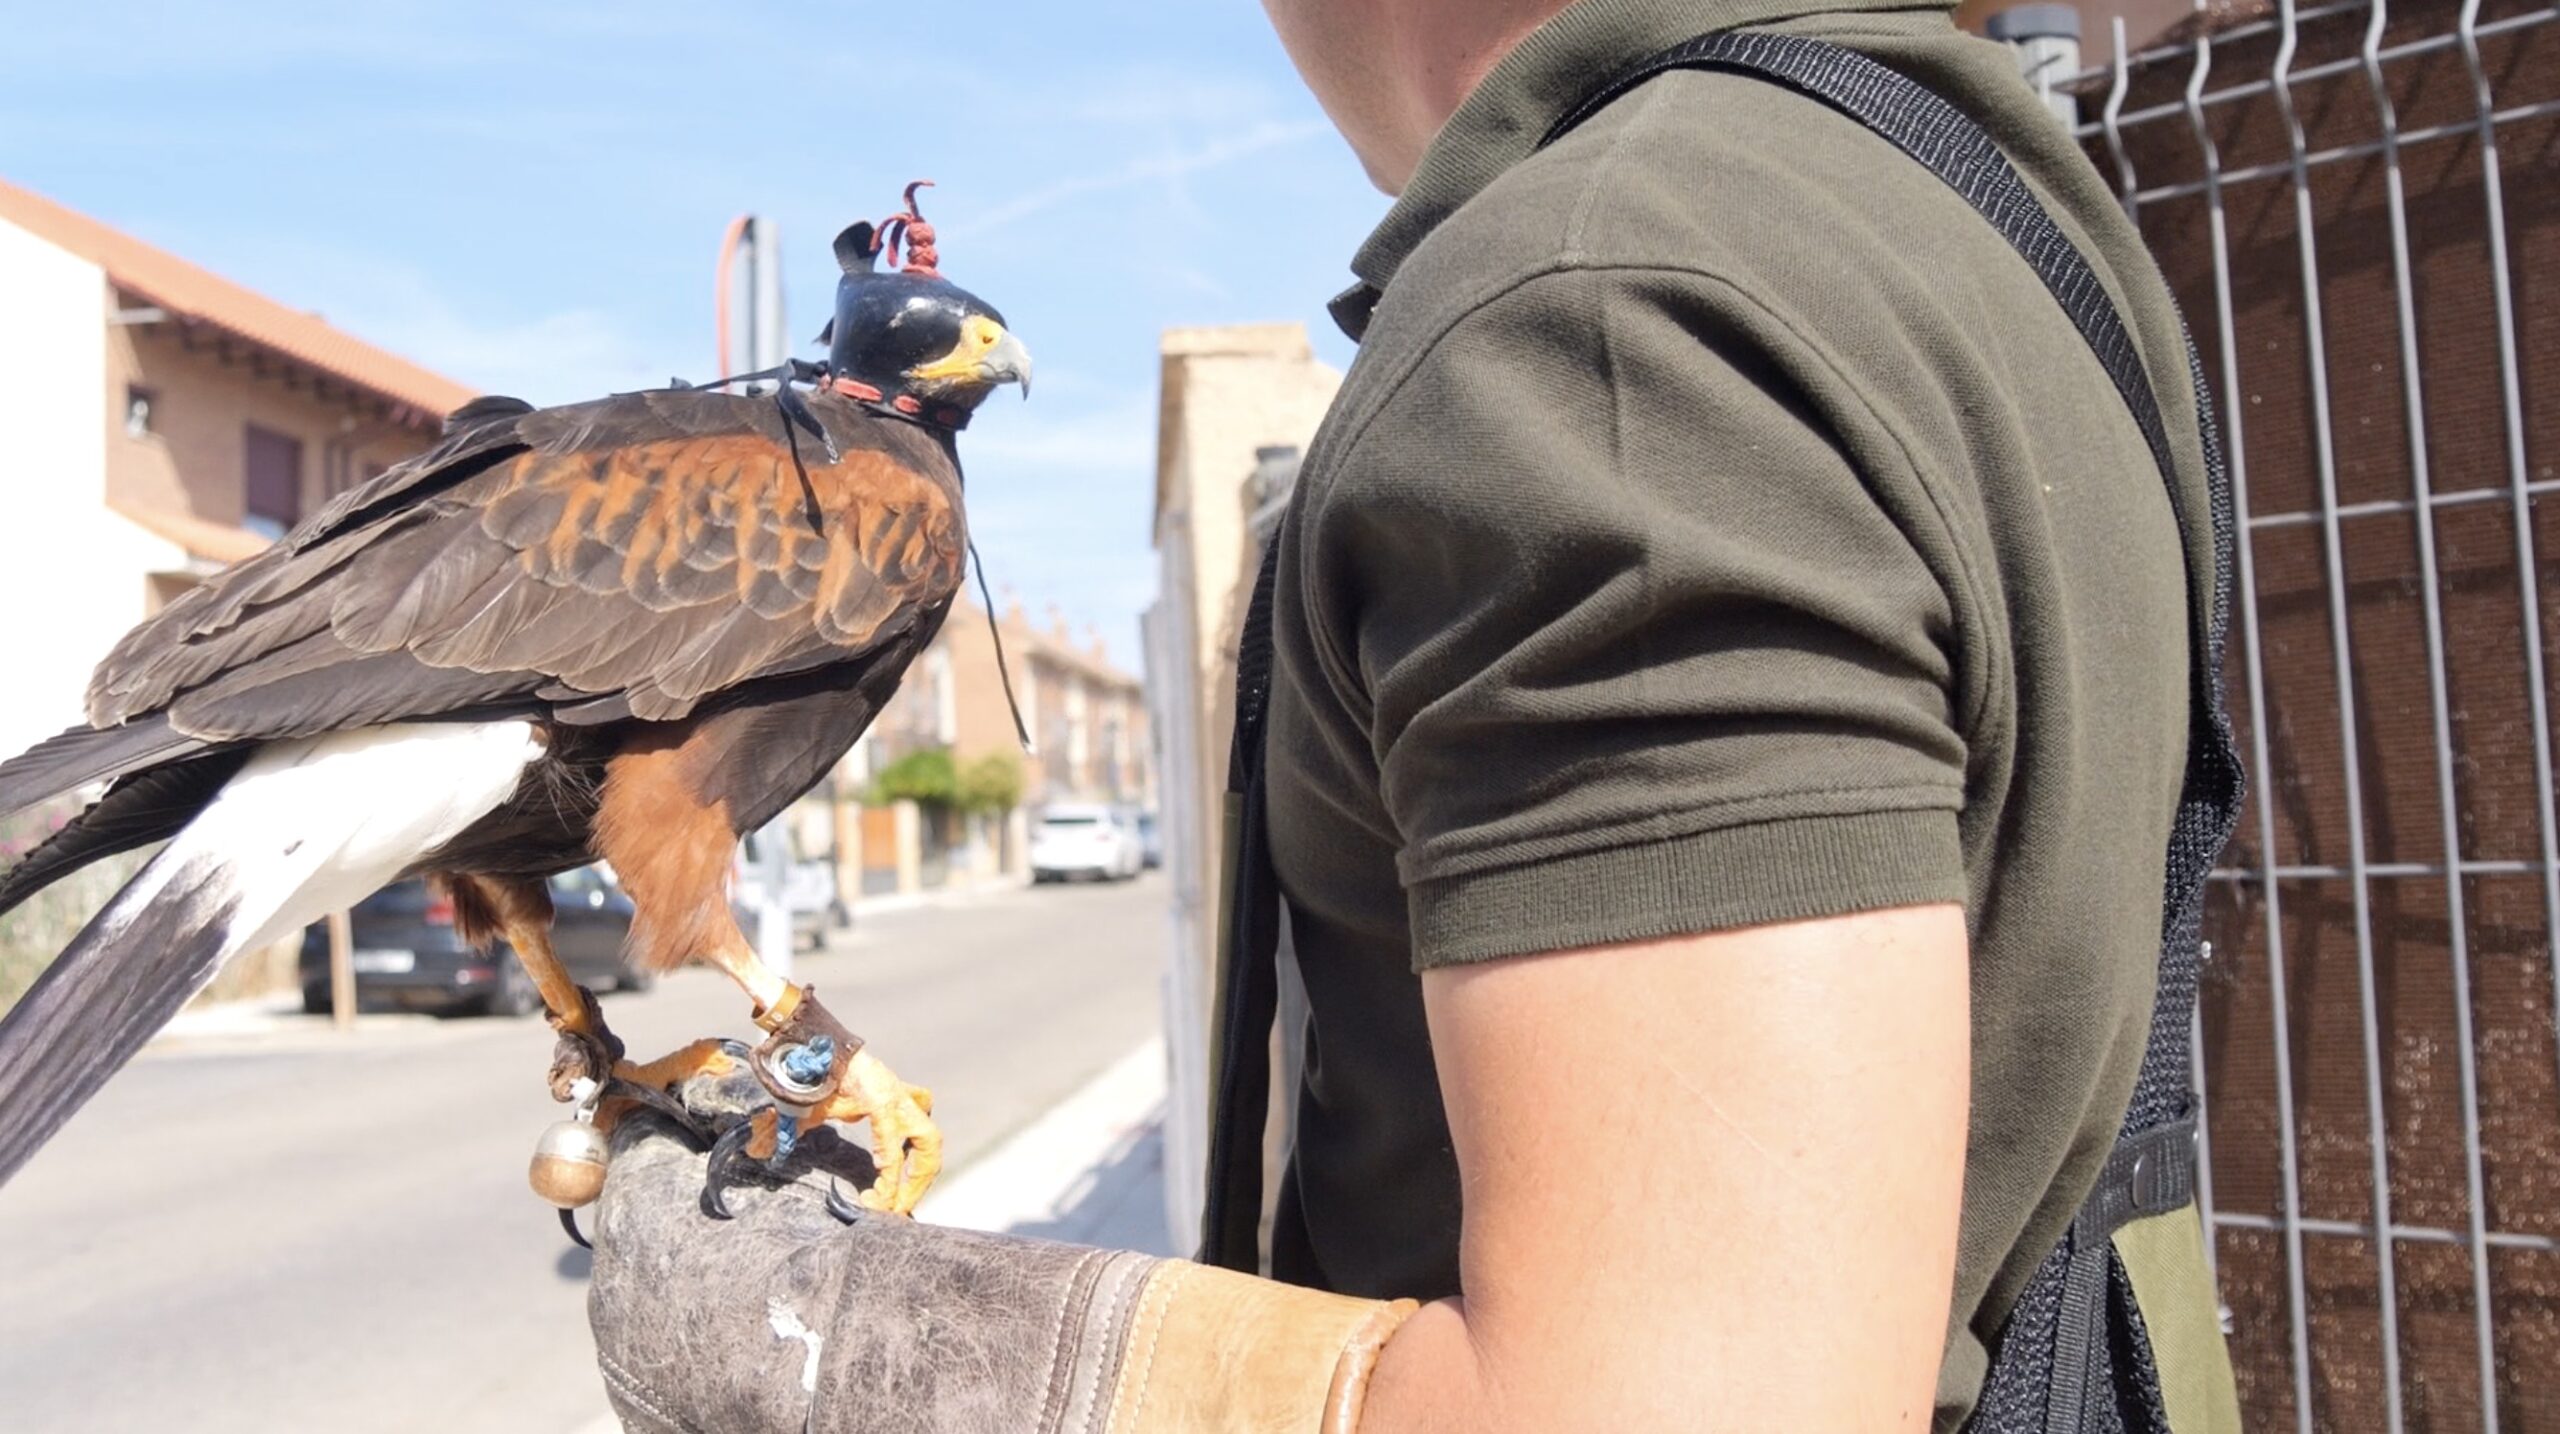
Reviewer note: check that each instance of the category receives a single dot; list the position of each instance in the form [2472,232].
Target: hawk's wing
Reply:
[640,552]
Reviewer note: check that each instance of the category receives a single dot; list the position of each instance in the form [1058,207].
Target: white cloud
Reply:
[1271,134]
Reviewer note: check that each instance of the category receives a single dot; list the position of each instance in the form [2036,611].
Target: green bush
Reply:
[992,785]
[926,778]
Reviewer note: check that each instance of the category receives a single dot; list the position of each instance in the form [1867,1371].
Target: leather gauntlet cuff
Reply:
[1201,1349]
[786,1319]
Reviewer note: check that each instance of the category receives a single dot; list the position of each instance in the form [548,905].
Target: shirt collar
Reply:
[1500,124]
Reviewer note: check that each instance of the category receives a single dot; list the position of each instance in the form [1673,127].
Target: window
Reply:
[275,483]
[138,403]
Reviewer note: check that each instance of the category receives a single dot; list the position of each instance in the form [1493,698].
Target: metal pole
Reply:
[768,343]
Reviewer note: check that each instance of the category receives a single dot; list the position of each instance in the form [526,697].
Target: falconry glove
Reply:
[792,1316]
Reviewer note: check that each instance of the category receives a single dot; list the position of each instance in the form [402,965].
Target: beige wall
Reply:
[204,395]
[1226,392]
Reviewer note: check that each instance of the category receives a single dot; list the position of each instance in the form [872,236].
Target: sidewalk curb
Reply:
[1044,1168]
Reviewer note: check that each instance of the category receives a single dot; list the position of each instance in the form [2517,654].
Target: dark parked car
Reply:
[407,953]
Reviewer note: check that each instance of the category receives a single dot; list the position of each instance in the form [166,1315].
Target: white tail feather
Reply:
[305,828]
[314,825]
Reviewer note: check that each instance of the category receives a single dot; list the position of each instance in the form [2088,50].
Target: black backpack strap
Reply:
[1248,996]
[2071,1355]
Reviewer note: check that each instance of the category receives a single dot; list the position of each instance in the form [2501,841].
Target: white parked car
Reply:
[1081,839]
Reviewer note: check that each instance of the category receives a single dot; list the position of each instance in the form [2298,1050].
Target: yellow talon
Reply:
[906,1145]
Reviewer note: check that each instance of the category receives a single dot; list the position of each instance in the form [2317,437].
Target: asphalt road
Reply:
[297,1229]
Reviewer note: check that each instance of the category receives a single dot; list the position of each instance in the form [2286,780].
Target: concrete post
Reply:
[342,971]
[910,818]
[1017,844]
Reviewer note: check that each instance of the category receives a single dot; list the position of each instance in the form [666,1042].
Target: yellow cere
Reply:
[978,335]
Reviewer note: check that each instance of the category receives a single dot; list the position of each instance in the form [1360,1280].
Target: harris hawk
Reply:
[626,630]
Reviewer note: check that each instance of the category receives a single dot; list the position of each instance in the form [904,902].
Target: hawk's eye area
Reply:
[982,355]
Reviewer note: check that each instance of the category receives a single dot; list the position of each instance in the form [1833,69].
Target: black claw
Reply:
[569,1222]
[715,1168]
[848,1211]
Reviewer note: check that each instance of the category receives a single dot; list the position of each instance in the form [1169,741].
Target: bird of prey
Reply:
[627,630]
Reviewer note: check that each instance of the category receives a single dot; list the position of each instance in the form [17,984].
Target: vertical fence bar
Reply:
[2511,395]
[2457,923]
[2342,665]
[2246,590]
[2111,124]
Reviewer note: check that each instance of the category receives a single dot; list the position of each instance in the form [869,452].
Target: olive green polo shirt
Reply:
[1722,525]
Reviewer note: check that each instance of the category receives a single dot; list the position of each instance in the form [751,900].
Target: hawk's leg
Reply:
[817,1071]
[672,848]
[519,909]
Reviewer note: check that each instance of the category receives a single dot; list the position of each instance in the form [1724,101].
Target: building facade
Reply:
[1088,719]
[164,422]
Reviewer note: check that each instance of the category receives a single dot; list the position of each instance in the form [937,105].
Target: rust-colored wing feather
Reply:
[640,554]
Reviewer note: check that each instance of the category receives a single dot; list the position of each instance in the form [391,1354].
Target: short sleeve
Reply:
[1642,651]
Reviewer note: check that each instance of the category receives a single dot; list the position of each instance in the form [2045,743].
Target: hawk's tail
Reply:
[305,828]
[156,944]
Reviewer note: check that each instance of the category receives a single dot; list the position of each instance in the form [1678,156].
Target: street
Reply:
[291,1228]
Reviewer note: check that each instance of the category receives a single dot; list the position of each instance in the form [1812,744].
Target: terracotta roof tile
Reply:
[193,293]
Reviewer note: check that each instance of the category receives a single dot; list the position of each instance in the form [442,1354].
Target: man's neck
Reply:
[1446,49]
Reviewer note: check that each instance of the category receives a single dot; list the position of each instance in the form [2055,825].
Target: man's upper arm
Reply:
[1643,651]
[1711,1182]
[1663,697]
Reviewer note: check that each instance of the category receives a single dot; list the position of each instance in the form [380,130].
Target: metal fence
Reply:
[2359,206]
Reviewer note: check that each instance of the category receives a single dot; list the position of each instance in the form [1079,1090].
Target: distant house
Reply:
[1088,717]
[156,423]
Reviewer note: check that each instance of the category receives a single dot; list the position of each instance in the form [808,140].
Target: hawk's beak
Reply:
[985,356]
[1007,362]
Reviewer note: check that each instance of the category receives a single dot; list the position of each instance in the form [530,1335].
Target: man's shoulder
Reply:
[1719,187]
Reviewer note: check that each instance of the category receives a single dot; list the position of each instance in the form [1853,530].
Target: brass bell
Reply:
[568,1164]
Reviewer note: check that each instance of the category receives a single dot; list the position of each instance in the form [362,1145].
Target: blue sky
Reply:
[529,196]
